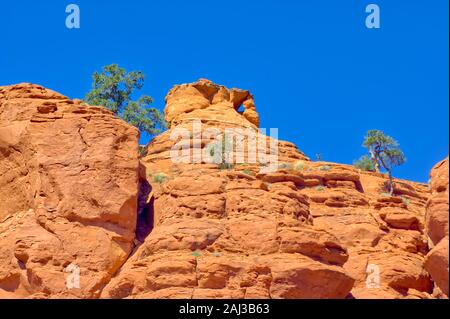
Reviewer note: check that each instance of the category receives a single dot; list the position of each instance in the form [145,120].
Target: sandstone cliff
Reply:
[436,262]
[73,191]
[68,193]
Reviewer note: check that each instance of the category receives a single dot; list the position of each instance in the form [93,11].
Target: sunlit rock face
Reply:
[75,198]
[240,232]
[68,194]
[227,232]
[436,262]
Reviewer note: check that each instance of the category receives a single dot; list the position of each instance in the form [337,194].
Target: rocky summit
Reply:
[84,213]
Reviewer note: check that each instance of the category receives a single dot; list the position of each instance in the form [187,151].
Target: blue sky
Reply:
[317,73]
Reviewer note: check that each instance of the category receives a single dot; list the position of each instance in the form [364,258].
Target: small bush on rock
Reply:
[159,178]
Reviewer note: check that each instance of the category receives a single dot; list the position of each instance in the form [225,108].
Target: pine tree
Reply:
[113,88]
[384,152]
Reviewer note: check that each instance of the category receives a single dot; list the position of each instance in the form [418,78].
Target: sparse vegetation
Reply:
[364,163]
[196,254]
[220,153]
[159,178]
[142,150]
[248,172]
[299,166]
[405,201]
[383,194]
[113,88]
[384,152]
[324,168]
[320,188]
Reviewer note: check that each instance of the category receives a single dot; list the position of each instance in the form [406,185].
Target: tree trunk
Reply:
[376,165]
[391,184]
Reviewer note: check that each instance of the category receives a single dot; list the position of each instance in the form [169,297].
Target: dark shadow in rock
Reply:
[144,223]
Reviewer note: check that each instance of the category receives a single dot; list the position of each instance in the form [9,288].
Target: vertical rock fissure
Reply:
[145,209]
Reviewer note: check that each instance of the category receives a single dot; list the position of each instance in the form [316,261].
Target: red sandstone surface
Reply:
[74,191]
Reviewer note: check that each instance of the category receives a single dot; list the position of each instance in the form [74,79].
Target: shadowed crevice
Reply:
[145,210]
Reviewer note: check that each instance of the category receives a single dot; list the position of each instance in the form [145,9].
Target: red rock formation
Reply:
[306,216]
[382,234]
[68,193]
[70,182]
[436,262]
[210,102]
[227,233]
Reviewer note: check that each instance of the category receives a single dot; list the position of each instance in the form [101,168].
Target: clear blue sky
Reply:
[317,73]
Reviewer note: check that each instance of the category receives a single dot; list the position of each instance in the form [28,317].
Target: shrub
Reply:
[364,163]
[142,150]
[320,188]
[405,201]
[385,194]
[159,178]
[248,172]
[324,168]
[299,166]
[196,254]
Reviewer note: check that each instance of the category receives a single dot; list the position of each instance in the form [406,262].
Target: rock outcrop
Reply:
[226,232]
[210,102]
[183,222]
[383,235]
[436,262]
[228,224]
[68,194]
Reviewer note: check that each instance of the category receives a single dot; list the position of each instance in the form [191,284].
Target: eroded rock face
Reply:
[227,232]
[306,224]
[436,262]
[384,235]
[71,181]
[209,101]
[68,193]
[201,112]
